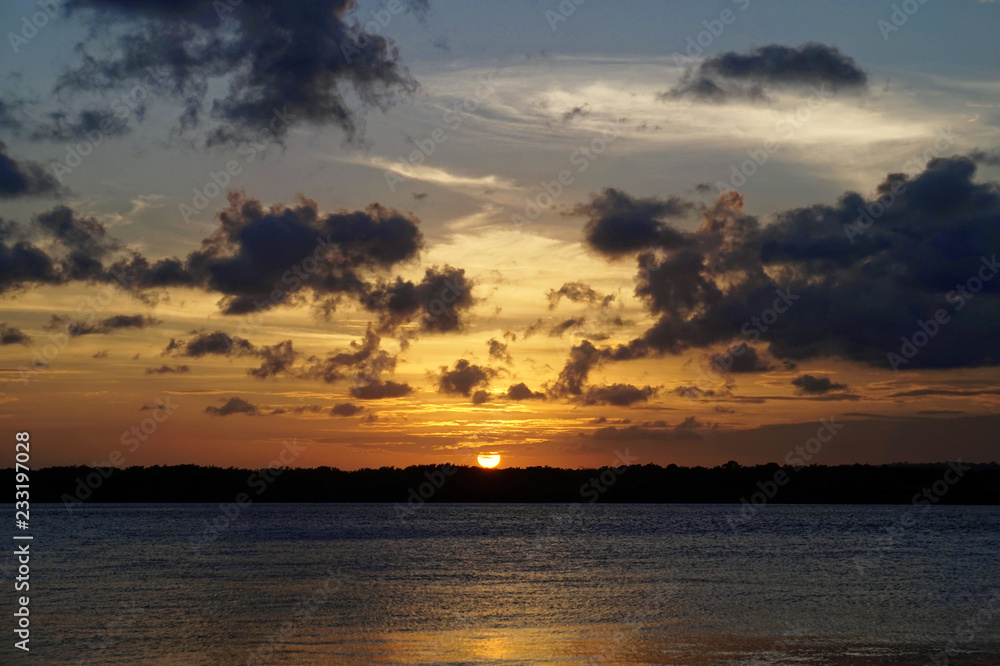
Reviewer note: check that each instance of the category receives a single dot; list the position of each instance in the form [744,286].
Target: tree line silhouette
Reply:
[902,483]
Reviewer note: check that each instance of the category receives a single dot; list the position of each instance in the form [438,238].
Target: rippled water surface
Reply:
[531,584]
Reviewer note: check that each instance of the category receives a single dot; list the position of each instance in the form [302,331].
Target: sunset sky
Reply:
[410,232]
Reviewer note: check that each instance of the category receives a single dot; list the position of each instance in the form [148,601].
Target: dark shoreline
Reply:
[904,483]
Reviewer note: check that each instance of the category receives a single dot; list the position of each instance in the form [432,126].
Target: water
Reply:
[531,584]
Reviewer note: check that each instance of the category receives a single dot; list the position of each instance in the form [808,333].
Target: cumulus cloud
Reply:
[578,292]
[22,178]
[276,359]
[499,351]
[346,409]
[735,75]
[619,395]
[365,361]
[463,378]
[380,390]
[234,405]
[304,62]
[620,224]
[258,257]
[11,335]
[522,392]
[740,359]
[583,358]
[438,302]
[216,343]
[825,267]
[810,385]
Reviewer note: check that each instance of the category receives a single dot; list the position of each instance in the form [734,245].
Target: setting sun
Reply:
[489,459]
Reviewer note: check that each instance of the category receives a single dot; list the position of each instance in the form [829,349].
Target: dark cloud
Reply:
[235,405]
[620,395]
[620,224]
[582,359]
[364,361]
[346,409]
[21,178]
[22,263]
[499,352]
[257,258]
[480,397]
[75,249]
[817,271]
[62,126]
[166,369]
[729,75]
[578,292]
[105,326]
[463,378]
[276,359]
[304,62]
[84,236]
[559,329]
[810,385]
[438,302]
[381,390]
[11,335]
[258,251]
[215,343]
[522,392]
[989,158]
[740,359]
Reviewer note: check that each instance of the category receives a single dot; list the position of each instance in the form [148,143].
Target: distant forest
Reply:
[944,483]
